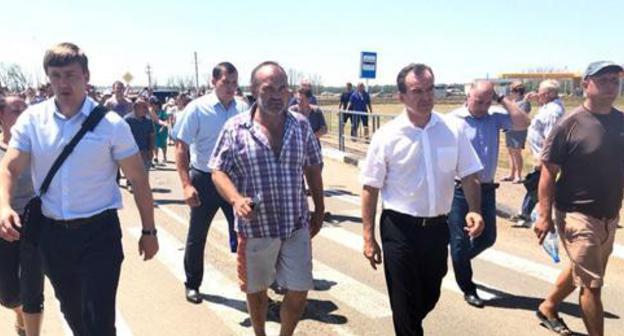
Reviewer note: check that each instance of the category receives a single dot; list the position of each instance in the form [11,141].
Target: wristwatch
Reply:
[151,232]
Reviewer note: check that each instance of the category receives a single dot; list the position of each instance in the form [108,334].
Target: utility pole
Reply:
[196,73]
[148,71]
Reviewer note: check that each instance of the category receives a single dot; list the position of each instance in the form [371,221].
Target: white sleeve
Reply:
[374,167]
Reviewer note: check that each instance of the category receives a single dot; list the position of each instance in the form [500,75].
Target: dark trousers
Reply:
[83,263]
[464,249]
[201,217]
[530,198]
[21,276]
[415,261]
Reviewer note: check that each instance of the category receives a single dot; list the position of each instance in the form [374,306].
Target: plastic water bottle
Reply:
[551,245]
[551,242]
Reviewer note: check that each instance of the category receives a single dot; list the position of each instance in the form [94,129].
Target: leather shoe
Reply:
[193,296]
[474,300]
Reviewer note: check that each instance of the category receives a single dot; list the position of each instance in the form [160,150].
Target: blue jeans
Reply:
[201,217]
[464,249]
[530,199]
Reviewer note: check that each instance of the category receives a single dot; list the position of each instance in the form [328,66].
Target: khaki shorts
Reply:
[588,241]
[264,260]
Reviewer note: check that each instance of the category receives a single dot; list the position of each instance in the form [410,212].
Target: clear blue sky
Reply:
[461,40]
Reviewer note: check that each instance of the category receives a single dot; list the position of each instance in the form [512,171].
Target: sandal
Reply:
[21,331]
[555,325]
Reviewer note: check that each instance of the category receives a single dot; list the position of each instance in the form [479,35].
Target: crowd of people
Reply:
[257,161]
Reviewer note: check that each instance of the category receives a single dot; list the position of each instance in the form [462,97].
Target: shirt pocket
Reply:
[92,149]
[447,158]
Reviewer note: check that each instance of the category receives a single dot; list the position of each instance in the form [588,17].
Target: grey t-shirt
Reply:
[23,191]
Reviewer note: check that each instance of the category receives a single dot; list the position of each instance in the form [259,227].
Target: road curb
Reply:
[502,210]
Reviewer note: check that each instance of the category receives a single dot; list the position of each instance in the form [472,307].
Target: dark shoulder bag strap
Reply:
[88,125]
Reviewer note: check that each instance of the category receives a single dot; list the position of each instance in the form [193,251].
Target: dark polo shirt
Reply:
[589,148]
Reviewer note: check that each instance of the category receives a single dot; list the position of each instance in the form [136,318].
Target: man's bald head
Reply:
[480,97]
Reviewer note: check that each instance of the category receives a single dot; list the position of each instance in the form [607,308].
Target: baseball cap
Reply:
[595,67]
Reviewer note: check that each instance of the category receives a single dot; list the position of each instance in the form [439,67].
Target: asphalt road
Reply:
[349,297]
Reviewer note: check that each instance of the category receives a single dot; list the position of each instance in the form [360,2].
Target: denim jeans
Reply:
[464,249]
[201,218]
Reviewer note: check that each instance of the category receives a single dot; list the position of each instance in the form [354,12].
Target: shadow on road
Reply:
[511,301]
[169,201]
[323,285]
[317,310]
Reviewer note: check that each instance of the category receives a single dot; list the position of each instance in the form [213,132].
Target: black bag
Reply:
[32,219]
[531,181]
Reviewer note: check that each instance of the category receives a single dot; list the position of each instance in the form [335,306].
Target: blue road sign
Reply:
[368,65]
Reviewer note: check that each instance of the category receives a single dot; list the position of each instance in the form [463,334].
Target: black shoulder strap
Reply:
[88,125]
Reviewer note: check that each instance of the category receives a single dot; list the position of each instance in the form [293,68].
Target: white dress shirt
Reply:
[85,184]
[415,168]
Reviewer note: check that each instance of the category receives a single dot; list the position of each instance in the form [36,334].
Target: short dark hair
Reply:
[223,68]
[417,68]
[274,64]
[64,54]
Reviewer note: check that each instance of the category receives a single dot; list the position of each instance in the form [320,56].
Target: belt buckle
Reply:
[424,221]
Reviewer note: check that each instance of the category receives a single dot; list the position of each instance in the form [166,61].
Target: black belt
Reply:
[78,222]
[199,170]
[484,185]
[425,221]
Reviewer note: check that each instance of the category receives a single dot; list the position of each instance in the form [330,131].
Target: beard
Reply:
[271,106]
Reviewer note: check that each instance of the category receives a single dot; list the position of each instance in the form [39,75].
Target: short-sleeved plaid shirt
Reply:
[243,152]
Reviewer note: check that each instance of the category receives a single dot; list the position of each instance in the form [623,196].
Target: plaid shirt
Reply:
[243,152]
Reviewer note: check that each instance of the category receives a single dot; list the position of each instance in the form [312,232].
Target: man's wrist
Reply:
[149,232]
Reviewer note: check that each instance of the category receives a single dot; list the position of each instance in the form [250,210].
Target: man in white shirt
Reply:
[550,112]
[80,239]
[413,160]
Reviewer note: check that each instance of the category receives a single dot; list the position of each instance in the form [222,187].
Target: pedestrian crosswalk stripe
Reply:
[618,251]
[231,307]
[364,299]
[521,265]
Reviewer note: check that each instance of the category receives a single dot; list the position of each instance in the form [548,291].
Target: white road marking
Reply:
[215,284]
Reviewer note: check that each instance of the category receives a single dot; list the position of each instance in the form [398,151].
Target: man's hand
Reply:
[474,224]
[191,197]
[316,223]
[531,96]
[242,207]
[372,252]
[9,221]
[542,226]
[148,246]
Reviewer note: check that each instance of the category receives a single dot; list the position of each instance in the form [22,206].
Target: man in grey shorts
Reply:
[515,140]
[257,166]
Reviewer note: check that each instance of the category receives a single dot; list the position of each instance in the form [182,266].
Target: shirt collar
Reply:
[213,101]
[85,109]
[404,121]
[249,122]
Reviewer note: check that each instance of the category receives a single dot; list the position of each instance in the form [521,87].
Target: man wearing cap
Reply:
[482,124]
[515,139]
[585,149]
[197,130]
[550,112]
